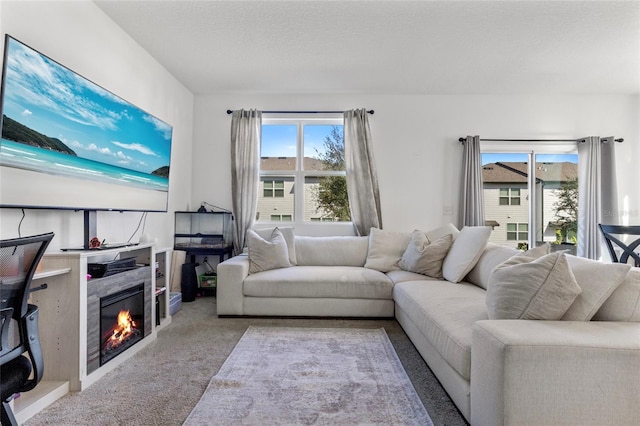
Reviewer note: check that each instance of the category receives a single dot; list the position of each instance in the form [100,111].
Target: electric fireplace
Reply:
[122,321]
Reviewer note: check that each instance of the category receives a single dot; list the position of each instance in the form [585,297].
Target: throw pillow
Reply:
[289,237]
[423,257]
[465,252]
[437,233]
[386,249]
[267,254]
[525,287]
[597,280]
[624,302]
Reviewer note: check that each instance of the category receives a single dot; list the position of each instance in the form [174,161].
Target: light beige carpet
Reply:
[311,376]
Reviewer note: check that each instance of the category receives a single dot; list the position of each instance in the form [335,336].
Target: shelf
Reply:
[47,273]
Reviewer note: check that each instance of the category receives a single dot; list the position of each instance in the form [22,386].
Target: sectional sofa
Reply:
[540,338]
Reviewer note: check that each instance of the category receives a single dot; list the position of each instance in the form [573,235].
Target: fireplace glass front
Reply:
[121,321]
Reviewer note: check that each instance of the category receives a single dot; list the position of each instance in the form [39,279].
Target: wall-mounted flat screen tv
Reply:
[68,143]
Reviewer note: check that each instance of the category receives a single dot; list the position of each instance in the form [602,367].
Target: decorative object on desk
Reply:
[614,234]
[294,375]
[94,243]
[20,373]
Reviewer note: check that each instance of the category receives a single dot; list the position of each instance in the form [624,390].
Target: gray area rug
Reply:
[311,376]
[162,383]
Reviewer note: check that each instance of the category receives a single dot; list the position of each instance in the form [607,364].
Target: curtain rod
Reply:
[620,140]
[230,111]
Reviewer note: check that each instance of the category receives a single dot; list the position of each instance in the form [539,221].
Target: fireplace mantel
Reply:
[63,307]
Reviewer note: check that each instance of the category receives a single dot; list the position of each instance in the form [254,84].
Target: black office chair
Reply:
[19,258]
[628,250]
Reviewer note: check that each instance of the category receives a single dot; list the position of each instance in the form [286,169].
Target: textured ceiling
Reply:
[422,47]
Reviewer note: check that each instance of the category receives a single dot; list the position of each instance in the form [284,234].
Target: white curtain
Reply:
[246,128]
[362,177]
[472,197]
[597,200]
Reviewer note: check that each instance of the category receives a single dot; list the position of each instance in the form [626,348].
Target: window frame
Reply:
[531,149]
[299,175]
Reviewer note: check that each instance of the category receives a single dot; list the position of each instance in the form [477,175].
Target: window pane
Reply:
[558,221]
[323,147]
[506,204]
[325,198]
[276,203]
[278,147]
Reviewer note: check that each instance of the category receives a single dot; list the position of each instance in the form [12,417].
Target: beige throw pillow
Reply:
[526,287]
[386,249]
[597,281]
[267,254]
[424,257]
[465,251]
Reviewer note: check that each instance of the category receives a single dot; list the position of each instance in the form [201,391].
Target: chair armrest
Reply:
[231,275]
[32,342]
[555,372]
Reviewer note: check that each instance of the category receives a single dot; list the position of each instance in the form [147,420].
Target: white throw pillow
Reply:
[465,251]
[597,280]
[526,287]
[624,302]
[289,237]
[385,249]
[424,257]
[441,231]
[267,254]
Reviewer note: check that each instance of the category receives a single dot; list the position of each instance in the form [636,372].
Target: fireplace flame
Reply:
[123,329]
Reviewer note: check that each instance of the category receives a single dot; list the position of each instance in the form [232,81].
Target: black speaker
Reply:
[189,285]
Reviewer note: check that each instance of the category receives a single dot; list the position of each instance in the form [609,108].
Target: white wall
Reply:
[415,142]
[80,36]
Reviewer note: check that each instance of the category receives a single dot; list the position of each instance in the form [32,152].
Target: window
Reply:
[531,197]
[273,188]
[517,231]
[509,196]
[302,171]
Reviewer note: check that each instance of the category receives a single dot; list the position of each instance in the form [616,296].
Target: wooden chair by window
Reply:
[612,235]
[19,258]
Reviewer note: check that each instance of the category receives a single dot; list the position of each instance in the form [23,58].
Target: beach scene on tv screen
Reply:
[57,122]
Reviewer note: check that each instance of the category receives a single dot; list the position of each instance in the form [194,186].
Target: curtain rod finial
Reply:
[229,111]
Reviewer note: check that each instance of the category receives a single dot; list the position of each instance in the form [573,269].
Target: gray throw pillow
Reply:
[525,287]
[424,257]
[267,254]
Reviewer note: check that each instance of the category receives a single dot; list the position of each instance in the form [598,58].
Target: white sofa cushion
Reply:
[441,231]
[386,249]
[289,237]
[528,286]
[331,251]
[425,257]
[267,254]
[465,252]
[597,281]
[400,275]
[445,314]
[341,282]
[624,302]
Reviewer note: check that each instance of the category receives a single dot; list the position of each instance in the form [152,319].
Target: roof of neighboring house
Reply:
[289,163]
[516,172]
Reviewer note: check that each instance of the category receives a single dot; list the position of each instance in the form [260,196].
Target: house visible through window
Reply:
[302,171]
[531,197]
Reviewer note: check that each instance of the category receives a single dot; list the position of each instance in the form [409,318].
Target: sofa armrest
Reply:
[555,372]
[231,275]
